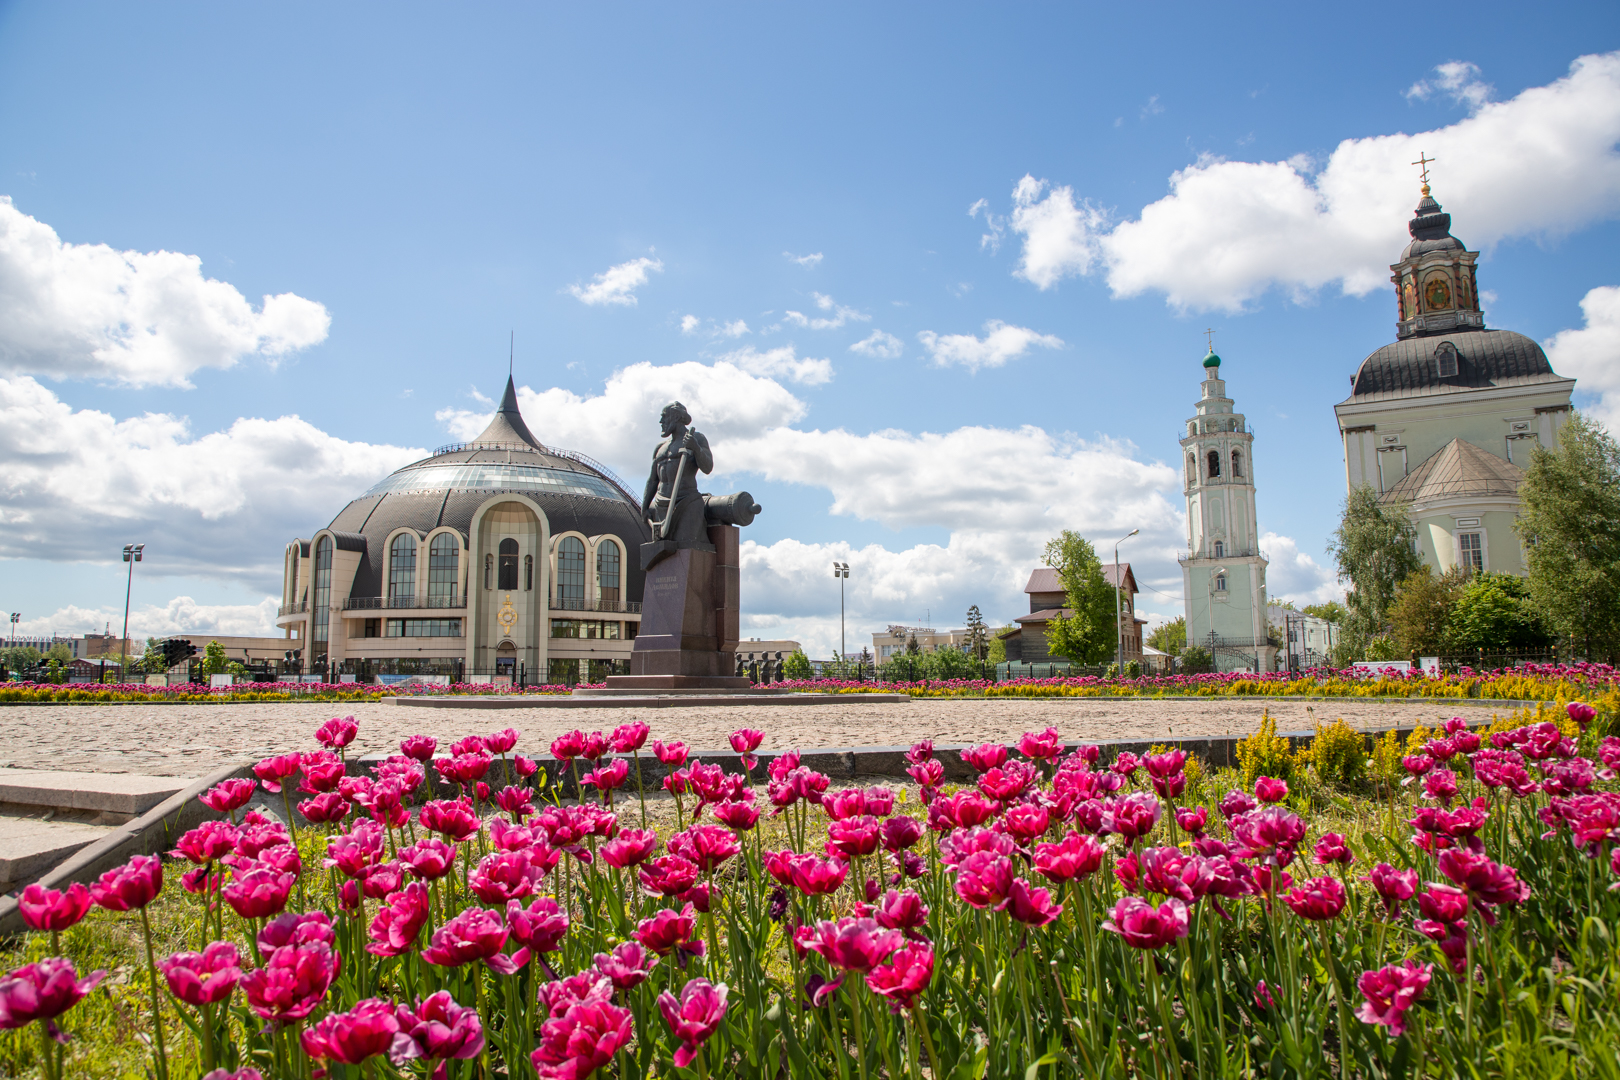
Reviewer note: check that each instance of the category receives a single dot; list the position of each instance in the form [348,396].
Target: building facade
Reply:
[1443,420]
[1027,642]
[496,559]
[1308,641]
[1223,573]
[894,640]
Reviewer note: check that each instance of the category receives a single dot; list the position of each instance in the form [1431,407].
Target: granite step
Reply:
[83,797]
[31,847]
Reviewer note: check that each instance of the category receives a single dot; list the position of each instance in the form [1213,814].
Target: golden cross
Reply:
[1209,336]
[1423,162]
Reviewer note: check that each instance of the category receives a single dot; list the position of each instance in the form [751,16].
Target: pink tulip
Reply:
[1580,712]
[737,816]
[628,738]
[983,879]
[593,746]
[516,801]
[53,910]
[586,988]
[501,742]
[524,767]
[670,753]
[399,921]
[271,771]
[669,930]
[1006,782]
[630,848]
[1145,927]
[1393,885]
[43,991]
[920,752]
[1074,856]
[582,1040]
[324,808]
[429,858]
[928,774]
[1442,903]
[1318,899]
[418,747]
[355,851]
[1041,745]
[817,877]
[627,966]
[1487,883]
[1273,832]
[1131,816]
[609,777]
[1333,849]
[1441,786]
[1125,763]
[1192,819]
[901,911]
[853,837]
[1032,907]
[1269,790]
[436,1030]
[204,978]
[540,927]
[451,818]
[1262,996]
[705,846]
[228,796]
[292,982]
[1235,802]
[207,842]
[746,740]
[475,934]
[1417,764]
[259,893]
[668,875]
[504,875]
[292,928]
[351,1037]
[1390,991]
[985,757]
[337,732]
[851,944]
[131,886]
[904,976]
[899,833]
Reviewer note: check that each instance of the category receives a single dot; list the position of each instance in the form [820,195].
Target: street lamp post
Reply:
[1119,615]
[132,555]
[841,572]
[15,615]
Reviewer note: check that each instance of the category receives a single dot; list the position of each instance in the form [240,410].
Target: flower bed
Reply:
[1118,918]
[96,693]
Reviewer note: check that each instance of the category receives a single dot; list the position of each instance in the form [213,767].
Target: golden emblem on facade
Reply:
[508,615]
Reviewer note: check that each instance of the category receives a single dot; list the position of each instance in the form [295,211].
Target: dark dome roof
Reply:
[1485,358]
[447,488]
[1430,228]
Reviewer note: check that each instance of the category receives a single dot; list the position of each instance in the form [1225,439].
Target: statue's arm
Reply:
[705,456]
[652,488]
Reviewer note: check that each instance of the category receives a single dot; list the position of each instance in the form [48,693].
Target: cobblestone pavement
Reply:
[193,740]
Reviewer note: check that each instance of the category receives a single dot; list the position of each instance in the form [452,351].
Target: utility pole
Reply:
[841,572]
[1119,615]
[15,615]
[129,551]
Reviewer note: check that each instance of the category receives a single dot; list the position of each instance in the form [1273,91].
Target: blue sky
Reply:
[424,184]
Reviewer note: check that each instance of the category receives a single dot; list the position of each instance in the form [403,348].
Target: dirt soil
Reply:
[193,740]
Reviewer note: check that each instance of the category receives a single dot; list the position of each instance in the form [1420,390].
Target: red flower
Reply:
[504,875]
[324,808]
[817,877]
[586,988]
[1041,745]
[853,837]
[1331,849]
[1131,816]
[1580,712]
[1268,790]
[851,944]
[351,1037]
[985,757]
[1235,802]
[592,746]
[501,742]
[1487,883]
[53,909]
[43,991]
[582,1040]
[337,732]
[228,796]
[628,738]
[1145,927]
[670,930]
[630,848]
[131,886]
[921,752]
[399,921]
[321,774]
[1390,991]
[670,753]
[475,934]
[609,776]
[294,928]
[1026,821]
[356,850]
[746,740]
[693,1017]
[540,927]
[207,842]
[984,878]
[1393,885]
[293,981]
[705,846]
[273,770]
[1273,831]
[1318,899]
[204,978]
[1033,907]
[904,976]
[429,858]
[451,817]
[259,893]
[627,966]
[1074,856]
[899,833]
[901,911]
[1006,782]
[516,801]
[1125,763]
[418,747]
[1192,819]
[437,1029]
[668,875]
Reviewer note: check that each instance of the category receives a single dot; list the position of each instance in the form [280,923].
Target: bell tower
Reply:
[1223,571]
[1435,285]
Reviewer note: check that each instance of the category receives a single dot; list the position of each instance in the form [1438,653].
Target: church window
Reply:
[1445,360]
[1237,465]
[607,571]
[1214,463]
[1220,549]
[571,572]
[528,573]
[509,565]
[444,558]
[323,588]
[1192,469]
[402,568]
[1220,582]
[1470,551]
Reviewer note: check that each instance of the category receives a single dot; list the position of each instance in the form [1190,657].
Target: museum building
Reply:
[496,559]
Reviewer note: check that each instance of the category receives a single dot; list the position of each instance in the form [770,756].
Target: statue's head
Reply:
[674,416]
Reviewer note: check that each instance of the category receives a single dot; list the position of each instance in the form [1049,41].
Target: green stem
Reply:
[157,1015]
[47,1047]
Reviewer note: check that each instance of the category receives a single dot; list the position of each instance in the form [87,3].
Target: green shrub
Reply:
[1385,765]
[1196,660]
[1265,753]
[1338,754]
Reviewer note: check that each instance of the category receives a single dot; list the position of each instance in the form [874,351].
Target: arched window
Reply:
[489,571]
[509,565]
[1237,465]
[1192,469]
[1220,549]
[571,571]
[444,558]
[1220,582]
[1214,463]
[607,571]
[528,573]
[402,568]
[323,588]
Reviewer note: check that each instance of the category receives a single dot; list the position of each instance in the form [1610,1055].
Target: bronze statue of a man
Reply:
[671,503]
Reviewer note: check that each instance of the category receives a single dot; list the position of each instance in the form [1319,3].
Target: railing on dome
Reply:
[401,602]
[292,609]
[572,455]
[570,604]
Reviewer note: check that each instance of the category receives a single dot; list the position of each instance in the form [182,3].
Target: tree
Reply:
[997,652]
[1421,613]
[1569,522]
[797,666]
[977,644]
[1493,611]
[59,652]
[1375,549]
[1091,634]
[1332,611]
[1196,660]
[1170,637]
[214,659]
[154,662]
[18,657]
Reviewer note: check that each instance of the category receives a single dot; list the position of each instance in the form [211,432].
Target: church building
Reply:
[1223,573]
[1442,420]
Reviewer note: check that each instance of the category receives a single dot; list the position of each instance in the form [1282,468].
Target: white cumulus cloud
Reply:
[806,261]
[1458,80]
[783,361]
[617,284]
[179,615]
[1592,353]
[840,315]
[690,323]
[878,345]
[1001,342]
[1294,575]
[137,318]
[1544,162]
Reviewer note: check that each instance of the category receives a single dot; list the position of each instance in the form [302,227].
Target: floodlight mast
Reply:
[132,555]
[841,572]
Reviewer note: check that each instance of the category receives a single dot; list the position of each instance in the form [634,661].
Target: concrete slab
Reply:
[30,847]
[116,793]
[673,701]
